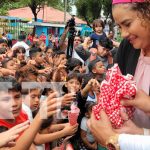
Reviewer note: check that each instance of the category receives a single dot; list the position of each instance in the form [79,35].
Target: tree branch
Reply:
[87,21]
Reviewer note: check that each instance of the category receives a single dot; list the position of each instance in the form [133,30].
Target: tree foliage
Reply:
[91,9]
[107,8]
[6,5]
[35,5]
[87,10]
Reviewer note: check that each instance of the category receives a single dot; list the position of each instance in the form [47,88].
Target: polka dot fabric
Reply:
[113,89]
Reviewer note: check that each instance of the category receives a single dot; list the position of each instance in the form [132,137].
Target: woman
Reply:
[133,58]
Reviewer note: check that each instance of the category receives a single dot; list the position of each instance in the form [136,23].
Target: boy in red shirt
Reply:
[43,37]
[11,112]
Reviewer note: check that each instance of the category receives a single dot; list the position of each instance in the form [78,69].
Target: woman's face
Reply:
[132,27]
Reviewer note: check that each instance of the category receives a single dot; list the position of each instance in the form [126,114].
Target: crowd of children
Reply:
[44,83]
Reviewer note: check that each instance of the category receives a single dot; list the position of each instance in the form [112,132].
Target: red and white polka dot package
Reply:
[113,89]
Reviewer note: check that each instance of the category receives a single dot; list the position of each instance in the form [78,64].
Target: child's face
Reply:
[50,92]
[33,99]
[20,55]
[99,68]
[62,58]
[88,114]
[102,51]
[99,29]
[3,45]
[79,68]
[39,58]
[12,65]
[10,104]
[73,85]
[49,52]
[63,75]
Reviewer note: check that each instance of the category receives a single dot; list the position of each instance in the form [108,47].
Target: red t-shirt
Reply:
[20,119]
[43,38]
[30,38]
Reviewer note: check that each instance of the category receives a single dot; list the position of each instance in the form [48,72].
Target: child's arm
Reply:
[6,72]
[86,43]
[45,138]
[48,107]
[53,128]
[92,83]
[13,133]
[85,140]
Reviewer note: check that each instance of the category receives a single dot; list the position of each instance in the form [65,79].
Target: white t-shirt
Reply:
[28,112]
[75,55]
[87,130]
[92,98]
[30,117]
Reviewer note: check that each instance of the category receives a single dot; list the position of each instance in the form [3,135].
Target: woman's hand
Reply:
[141,101]
[101,129]
[129,127]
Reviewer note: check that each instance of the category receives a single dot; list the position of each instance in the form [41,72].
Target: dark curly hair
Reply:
[142,8]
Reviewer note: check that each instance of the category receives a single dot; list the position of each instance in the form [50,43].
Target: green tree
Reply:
[89,9]
[37,5]
[107,8]
[6,5]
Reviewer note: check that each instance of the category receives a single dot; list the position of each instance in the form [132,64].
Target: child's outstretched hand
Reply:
[67,99]
[93,83]
[8,138]
[69,129]
[50,106]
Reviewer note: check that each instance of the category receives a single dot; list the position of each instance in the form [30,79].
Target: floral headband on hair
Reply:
[126,1]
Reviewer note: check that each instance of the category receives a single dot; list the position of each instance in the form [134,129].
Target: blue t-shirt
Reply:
[9,36]
[95,37]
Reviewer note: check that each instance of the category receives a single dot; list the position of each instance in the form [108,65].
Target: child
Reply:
[11,113]
[74,65]
[19,54]
[98,35]
[73,85]
[31,104]
[92,95]
[97,69]
[59,58]
[10,64]
[27,73]
[88,141]
[37,56]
